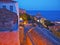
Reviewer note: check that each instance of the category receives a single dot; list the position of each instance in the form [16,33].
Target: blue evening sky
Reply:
[39,4]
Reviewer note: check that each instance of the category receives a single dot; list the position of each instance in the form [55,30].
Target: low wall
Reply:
[9,38]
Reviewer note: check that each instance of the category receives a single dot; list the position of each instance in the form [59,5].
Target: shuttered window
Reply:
[4,6]
[11,8]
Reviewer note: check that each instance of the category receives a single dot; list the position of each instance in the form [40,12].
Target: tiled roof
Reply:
[7,14]
[22,10]
[6,11]
[6,17]
[7,1]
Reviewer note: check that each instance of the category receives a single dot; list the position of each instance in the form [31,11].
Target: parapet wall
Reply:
[9,38]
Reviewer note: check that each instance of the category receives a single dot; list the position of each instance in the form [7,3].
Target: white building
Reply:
[9,11]
[10,5]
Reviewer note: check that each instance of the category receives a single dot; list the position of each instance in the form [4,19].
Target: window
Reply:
[11,8]
[4,6]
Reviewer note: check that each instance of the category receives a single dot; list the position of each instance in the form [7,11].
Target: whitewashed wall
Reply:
[14,4]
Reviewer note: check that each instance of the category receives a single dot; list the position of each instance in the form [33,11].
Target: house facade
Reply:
[9,18]
[10,5]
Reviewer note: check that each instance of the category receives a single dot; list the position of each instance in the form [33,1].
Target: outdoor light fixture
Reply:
[38,21]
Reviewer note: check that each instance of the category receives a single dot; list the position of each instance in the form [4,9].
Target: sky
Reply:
[39,4]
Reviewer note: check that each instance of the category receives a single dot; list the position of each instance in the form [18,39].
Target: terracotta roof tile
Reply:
[6,17]
[7,1]
[6,13]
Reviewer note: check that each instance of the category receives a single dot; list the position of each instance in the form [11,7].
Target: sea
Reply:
[50,15]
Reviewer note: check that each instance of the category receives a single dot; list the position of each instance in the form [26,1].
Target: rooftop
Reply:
[7,18]
[6,14]
[7,1]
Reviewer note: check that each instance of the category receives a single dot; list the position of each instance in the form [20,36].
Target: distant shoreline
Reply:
[50,15]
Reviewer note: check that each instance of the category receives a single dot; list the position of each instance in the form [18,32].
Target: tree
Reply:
[25,16]
[48,23]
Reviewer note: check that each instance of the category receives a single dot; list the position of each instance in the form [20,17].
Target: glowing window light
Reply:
[21,19]
[37,20]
